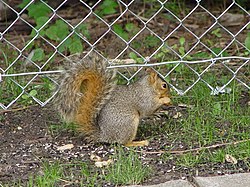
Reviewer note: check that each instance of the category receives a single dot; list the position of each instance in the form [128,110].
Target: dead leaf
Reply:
[101,164]
[230,159]
[65,147]
[177,115]
[95,158]
[185,106]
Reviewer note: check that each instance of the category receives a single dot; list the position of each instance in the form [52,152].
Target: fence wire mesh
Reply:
[188,44]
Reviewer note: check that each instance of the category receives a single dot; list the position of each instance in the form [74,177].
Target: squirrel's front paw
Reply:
[165,101]
[137,143]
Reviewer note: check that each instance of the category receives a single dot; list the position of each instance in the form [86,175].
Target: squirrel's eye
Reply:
[164,85]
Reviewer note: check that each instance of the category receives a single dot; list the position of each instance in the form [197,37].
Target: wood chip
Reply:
[95,158]
[65,147]
[230,159]
[101,164]
[177,115]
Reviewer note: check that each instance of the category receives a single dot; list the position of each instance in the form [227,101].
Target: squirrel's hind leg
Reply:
[137,143]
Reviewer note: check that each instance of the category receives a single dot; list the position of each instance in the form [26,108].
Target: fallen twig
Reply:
[195,149]
[16,109]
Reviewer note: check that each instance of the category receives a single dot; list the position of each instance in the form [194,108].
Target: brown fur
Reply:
[82,92]
[86,111]
[84,97]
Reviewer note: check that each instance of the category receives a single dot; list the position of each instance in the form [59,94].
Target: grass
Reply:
[208,120]
[11,88]
[51,174]
[57,128]
[128,169]
[211,120]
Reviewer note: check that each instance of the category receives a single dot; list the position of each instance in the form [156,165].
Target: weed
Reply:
[57,31]
[56,128]
[217,33]
[126,31]
[120,31]
[135,57]
[51,175]
[177,7]
[247,40]
[88,176]
[211,120]
[9,89]
[107,7]
[128,169]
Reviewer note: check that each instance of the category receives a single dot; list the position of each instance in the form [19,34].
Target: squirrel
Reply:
[104,111]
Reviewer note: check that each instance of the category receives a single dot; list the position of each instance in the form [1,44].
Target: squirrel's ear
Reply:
[152,75]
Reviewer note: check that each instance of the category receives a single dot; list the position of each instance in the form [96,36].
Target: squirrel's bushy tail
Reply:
[84,89]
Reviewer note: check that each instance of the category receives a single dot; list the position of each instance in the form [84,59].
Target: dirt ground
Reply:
[27,141]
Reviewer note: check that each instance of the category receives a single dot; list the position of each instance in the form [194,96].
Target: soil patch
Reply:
[27,142]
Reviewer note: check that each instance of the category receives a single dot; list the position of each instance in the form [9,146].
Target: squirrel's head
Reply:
[160,86]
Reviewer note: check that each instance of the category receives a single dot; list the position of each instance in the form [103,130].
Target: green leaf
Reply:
[174,46]
[247,41]
[216,32]
[63,47]
[202,55]
[75,46]
[37,10]
[152,41]
[217,109]
[109,10]
[139,60]
[209,42]
[58,31]
[130,27]
[137,44]
[188,57]
[23,4]
[119,30]
[38,55]
[216,50]
[182,51]
[25,96]
[51,32]
[33,33]
[33,93]
[182,41]
[132,55]
[63,29]
[108,7]
[83,29]
[225,54]
[164,49]
[109,3]
[39,23]
[159,55]
[248,26]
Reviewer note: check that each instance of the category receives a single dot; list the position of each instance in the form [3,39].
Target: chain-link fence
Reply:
[190,43]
